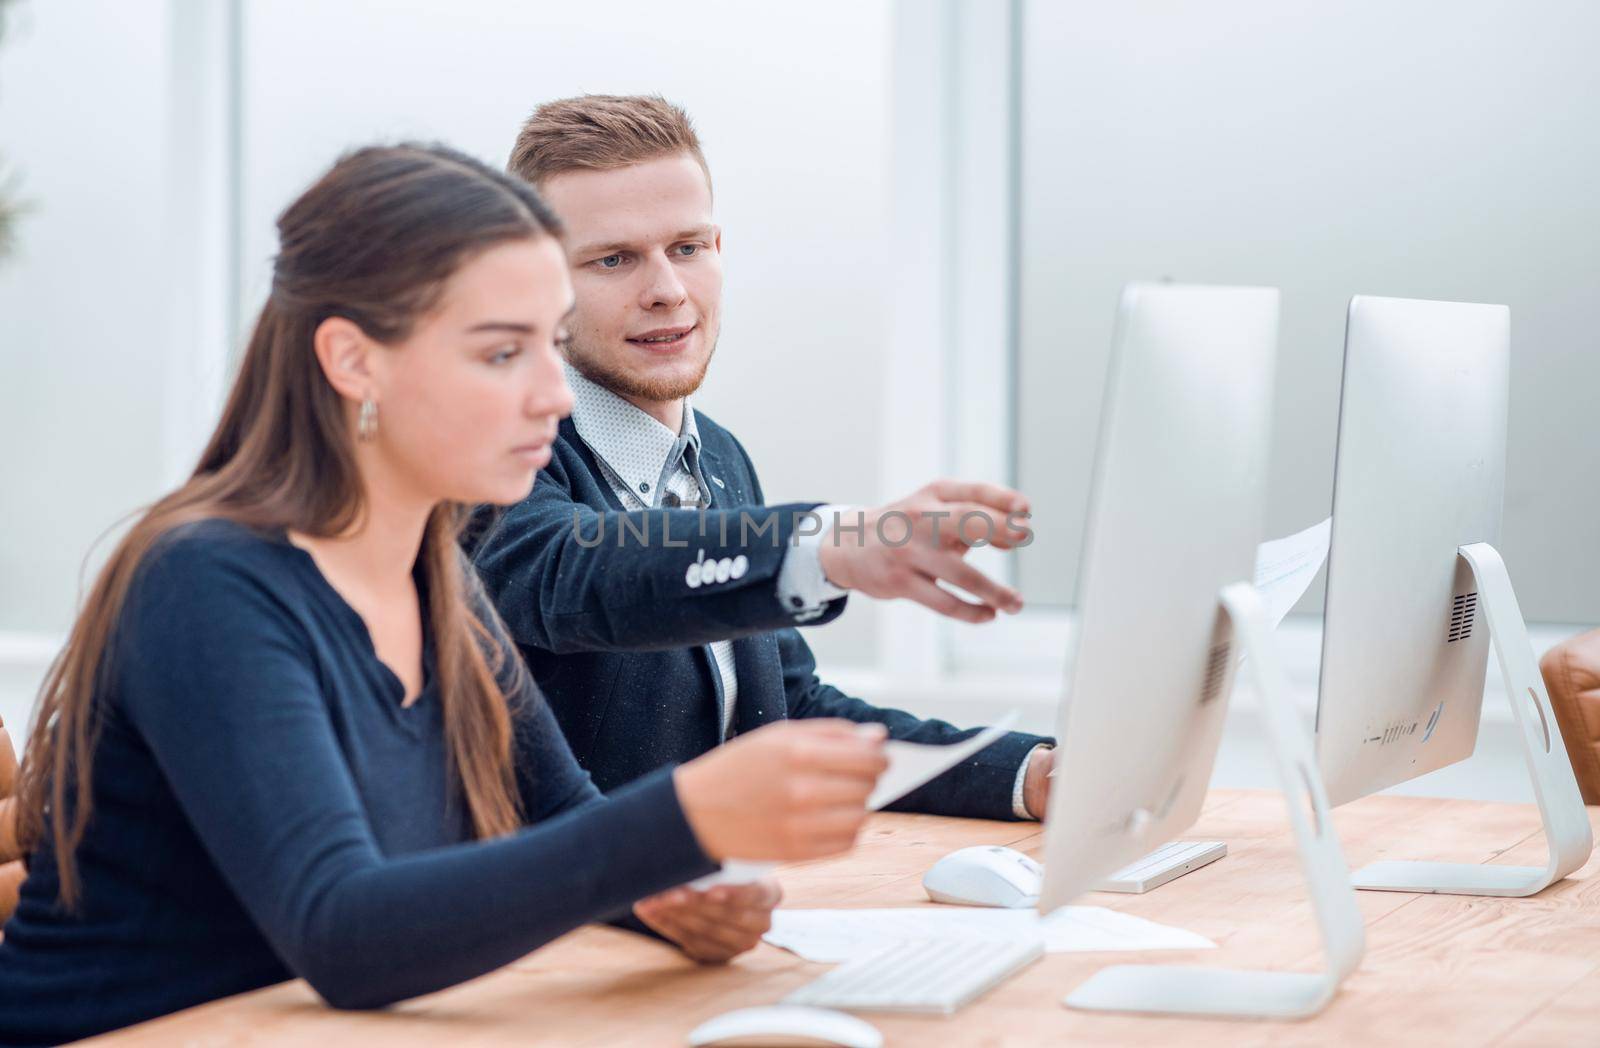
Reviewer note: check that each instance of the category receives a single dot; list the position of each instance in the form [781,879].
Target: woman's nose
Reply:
[548,392]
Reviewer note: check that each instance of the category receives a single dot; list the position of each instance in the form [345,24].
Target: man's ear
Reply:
[716,238]
[345,353]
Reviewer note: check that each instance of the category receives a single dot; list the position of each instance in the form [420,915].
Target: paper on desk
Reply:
[910,765]
[1286,566]
[832,936]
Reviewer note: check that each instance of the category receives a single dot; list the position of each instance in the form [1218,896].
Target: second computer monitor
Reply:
[1420,471]
[1175,515]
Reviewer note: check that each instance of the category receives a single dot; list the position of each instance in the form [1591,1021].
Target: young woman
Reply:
[287,736]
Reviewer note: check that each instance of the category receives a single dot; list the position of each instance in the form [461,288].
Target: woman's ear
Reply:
[346,356]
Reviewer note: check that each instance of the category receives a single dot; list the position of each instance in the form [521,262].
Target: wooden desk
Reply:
[1438,969]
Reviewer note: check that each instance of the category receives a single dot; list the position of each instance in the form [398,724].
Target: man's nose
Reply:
[662,286]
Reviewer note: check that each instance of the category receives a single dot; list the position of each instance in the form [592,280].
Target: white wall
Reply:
[84,309]
[1430,149]
[793,115]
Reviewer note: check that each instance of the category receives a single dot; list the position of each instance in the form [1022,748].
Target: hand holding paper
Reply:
[911,764]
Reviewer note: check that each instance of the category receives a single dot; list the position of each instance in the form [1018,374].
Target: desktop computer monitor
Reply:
[1417,594]
[1175,516]
[1166,608]
[1419,472]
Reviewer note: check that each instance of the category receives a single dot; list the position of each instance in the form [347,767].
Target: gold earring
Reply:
[367,421]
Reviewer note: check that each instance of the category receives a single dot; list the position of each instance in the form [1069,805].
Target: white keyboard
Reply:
[933,976]
[1166,863]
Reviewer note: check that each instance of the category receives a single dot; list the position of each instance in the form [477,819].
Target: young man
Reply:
[651,592]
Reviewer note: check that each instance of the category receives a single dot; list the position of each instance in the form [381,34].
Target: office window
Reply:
[1430,150]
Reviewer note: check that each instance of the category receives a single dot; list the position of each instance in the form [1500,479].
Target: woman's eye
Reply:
[504,353]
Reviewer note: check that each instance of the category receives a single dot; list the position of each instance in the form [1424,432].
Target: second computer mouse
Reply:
[786,1025]
[987,875]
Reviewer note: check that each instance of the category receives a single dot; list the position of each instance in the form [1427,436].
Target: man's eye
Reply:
[688,249]
[609,262]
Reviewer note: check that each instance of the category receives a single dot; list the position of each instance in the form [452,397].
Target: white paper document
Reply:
[1286,566]
[735,871]
[911,764]
[832,936]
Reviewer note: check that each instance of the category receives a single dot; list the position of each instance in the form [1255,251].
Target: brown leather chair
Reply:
[1571,672]
[12,874]
[11,871]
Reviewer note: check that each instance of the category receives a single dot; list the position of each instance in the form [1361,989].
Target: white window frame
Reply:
[203,205]
[954,226]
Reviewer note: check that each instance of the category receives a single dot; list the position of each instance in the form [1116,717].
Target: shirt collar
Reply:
[632,443]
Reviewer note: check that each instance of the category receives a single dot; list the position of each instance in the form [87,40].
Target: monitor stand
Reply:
[1566,822]
[1234,993]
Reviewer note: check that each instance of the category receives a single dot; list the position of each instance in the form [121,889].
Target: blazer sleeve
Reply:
[569,578]
[978,788]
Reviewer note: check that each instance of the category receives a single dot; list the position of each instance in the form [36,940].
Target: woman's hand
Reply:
[789,790]
[716,925]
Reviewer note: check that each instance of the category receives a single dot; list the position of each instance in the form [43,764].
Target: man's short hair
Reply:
[601,133]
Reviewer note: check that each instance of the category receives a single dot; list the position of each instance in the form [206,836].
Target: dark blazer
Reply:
[617,637]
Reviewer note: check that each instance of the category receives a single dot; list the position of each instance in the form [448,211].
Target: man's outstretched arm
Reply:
[567,578]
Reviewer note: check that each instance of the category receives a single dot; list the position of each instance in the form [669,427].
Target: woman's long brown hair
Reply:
[374,241]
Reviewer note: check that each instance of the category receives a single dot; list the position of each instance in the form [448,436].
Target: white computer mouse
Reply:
[785,1025]
[987,875]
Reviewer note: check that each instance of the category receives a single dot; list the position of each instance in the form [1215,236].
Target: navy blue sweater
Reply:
[264,808]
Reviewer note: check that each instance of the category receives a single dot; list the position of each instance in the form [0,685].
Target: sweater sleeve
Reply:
[214,673]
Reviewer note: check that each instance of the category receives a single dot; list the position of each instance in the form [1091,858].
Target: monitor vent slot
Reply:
[1462,614]
[1216,672]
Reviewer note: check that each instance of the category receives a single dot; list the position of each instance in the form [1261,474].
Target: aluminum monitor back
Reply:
[1420,471]
[1175,515]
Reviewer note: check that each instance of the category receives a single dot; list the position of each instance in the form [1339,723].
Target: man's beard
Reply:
[625,383]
